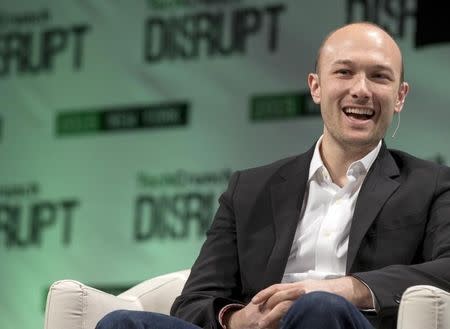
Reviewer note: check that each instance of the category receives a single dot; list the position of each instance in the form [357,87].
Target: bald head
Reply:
[366,35]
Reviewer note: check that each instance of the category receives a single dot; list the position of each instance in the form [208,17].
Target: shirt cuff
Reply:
[374,300]
[226,309]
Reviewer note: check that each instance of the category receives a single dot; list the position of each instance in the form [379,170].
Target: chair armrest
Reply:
[158,294]
[424,307]
[74,305]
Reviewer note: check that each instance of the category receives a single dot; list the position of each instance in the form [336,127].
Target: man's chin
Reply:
[362,142]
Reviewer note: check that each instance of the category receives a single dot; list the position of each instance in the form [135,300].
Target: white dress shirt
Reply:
[320,246]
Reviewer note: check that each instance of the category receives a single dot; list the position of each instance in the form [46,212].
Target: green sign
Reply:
[282,106]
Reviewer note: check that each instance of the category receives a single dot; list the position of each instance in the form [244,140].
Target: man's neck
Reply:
[337,158]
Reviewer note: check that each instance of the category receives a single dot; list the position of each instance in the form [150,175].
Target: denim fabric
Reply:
[123,319]
[323,310]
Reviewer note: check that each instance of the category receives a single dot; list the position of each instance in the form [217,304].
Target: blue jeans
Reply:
[323,310]
[123,319]
[316,310]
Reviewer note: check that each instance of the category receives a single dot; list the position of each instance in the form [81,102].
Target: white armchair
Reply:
[73,305]
[424,307]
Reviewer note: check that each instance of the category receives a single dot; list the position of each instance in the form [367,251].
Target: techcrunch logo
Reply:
[27,221]
[183,178]
[392,15]
[282,106]
[29,45]
[218,33]
[183,214]
[122,119]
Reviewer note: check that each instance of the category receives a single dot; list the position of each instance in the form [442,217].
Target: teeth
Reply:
[355,110]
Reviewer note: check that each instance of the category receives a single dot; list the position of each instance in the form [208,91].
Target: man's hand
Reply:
[273,302]
[247,317]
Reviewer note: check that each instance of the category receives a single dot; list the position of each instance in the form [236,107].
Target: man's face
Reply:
[358,85]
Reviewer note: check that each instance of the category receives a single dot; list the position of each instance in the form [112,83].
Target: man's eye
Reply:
[343,72]
[381,76]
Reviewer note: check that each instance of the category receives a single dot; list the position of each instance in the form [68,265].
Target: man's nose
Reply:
[360,89]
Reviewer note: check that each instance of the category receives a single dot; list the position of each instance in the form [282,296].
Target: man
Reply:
[333,237]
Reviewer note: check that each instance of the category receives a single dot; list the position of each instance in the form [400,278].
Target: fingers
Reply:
[290,294]
[274,301]
[264,294]
[246,317]
[271,296]
[271,319]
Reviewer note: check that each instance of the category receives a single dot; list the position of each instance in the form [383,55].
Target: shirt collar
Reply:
[366,162]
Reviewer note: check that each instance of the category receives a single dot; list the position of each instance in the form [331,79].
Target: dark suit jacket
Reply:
[399,237]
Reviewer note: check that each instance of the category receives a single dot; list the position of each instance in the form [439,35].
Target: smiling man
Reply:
[330,238]
[359,86]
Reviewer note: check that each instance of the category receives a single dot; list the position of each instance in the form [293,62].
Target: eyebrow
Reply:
[343,61]
[350,62]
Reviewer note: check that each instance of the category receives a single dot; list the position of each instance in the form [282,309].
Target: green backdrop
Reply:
[121,122]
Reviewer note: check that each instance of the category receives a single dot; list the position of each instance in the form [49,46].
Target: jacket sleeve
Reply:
[389,283]
[214,280]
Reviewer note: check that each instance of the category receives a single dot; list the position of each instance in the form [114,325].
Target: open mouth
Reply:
[359,113]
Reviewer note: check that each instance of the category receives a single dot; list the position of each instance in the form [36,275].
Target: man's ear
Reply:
[402,92]
[314,87]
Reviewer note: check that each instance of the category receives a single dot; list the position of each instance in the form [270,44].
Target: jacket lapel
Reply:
[376,189]
[287,197]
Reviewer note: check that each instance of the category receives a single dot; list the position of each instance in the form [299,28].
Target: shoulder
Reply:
[274,172]
[251,181]
[270,167]
[407,161]
[420,170]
